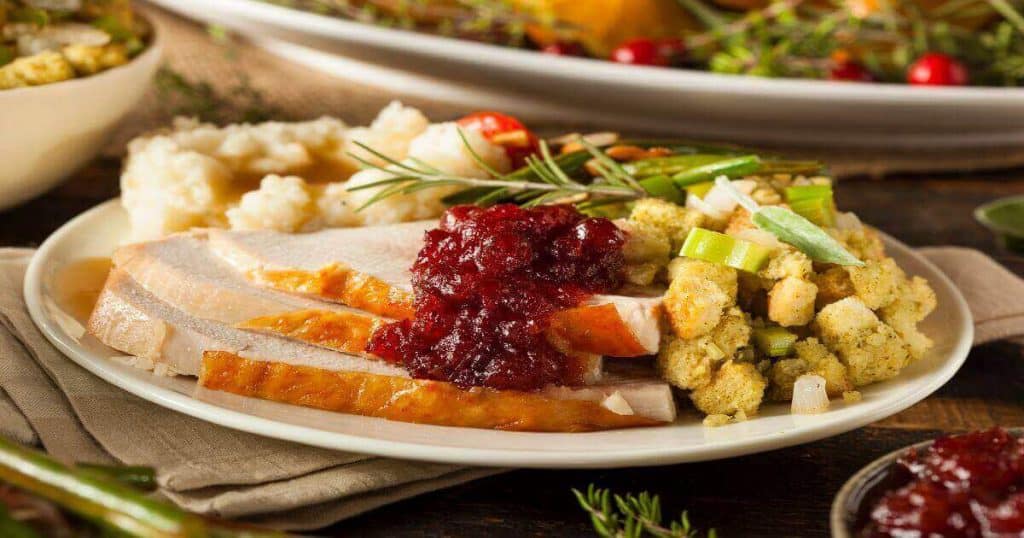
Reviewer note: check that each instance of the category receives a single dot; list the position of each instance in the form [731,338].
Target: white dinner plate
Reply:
[674,101]
[100,230]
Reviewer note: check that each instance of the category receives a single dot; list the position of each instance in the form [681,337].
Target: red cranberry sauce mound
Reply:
[965,485]
[487,282]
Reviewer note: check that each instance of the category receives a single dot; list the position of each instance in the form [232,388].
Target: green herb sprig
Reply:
[796,38]
[546,183]
[632,516]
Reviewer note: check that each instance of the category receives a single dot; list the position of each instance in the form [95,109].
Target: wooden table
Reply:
[781,493]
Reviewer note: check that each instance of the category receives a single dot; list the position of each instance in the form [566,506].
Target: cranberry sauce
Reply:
[487,282]
[966,485]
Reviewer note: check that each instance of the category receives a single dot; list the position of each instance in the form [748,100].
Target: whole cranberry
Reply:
[639,51]
[564,48]
[850,72]
[672,49]
[937,69]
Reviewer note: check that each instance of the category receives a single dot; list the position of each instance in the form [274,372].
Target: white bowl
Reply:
[49,131]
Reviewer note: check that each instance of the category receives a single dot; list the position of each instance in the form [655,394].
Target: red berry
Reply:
[492,125]
[937,69]
[639,51]
[672,49]
[564,48]
[850,72]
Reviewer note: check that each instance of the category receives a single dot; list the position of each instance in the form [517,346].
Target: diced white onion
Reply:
[759,236]
[56,36]
[809,396]
[723,201]
[617,404]
[695,203]
[848,221]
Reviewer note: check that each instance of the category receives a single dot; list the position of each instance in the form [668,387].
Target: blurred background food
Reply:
[45,41]
[920,42]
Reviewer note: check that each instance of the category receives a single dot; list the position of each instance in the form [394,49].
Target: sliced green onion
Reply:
[805,192]
[817,210]
[731,167]
[699,189]
[663,187]
[774,341]
[671,165]
[814,203]
[714,247]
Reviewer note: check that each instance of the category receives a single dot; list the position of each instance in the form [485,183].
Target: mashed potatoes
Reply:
[287,176]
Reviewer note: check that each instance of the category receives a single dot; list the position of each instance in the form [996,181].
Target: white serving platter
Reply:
[100,230]
[673,101]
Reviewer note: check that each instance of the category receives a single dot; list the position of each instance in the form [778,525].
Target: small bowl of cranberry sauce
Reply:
[969,485]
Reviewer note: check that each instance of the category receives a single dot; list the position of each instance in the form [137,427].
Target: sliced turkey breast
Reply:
[181,271]
[132,320]
[368,268]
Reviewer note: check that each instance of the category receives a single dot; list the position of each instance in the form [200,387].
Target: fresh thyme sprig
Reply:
[543,181]
[632,516]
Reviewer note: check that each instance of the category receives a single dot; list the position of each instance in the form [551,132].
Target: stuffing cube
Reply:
[791,302]
[694,305]
[644,243]
[833,284]
[42,68]
[871,350]
[673,220]
[687,364]
[90,59]
[875,283]
[732,333]
[915,299]
[812,358]
[788,263]
[724,276]
[737,387]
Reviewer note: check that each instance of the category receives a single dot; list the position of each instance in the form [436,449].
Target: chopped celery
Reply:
[731,167]
[816,210]
[723,249]
[774,341]
[814,203]
[804,192]
[670,165]
[663,187]
[699,189]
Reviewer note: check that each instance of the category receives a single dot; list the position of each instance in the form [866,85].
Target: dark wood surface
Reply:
[780,493]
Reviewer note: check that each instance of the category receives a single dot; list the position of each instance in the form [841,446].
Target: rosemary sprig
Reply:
[546,182]
[632,516]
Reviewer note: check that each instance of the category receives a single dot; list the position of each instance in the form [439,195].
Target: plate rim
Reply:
[107,370]
[637,77]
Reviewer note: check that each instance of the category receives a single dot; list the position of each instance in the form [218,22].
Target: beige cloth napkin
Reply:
[46,399]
